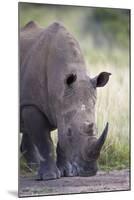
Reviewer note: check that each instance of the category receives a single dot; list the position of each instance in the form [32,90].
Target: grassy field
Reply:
[113,100]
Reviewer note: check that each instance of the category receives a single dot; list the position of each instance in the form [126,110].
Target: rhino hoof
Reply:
[49,175]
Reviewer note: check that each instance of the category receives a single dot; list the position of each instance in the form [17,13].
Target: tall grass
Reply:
[113,106]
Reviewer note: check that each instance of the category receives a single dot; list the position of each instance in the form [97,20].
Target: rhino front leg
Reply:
[37,126]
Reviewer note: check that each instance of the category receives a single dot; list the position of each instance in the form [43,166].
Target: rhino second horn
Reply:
[101,139]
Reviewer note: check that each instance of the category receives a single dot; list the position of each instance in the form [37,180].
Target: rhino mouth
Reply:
[75,169]
[77,172]
[86,165]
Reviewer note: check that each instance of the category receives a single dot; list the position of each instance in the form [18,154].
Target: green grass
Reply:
[113,100]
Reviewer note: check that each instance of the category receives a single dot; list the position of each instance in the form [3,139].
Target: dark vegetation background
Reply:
[103,34]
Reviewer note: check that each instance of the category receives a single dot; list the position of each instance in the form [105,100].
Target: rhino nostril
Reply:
[88,127]
[69,132]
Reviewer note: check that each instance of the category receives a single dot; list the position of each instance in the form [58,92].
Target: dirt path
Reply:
[103,181]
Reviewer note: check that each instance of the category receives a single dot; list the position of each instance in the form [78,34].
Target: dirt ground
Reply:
[103,181]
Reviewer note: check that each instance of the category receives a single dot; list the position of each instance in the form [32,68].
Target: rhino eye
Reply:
[71,79]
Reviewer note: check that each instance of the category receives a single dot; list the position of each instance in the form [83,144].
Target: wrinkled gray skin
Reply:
[57,93]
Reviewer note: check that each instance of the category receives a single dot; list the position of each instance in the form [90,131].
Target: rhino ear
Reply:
[101,80]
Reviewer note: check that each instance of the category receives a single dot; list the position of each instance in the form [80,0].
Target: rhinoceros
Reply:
[56,92]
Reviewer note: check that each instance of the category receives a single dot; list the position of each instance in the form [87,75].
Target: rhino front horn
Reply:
[101,139]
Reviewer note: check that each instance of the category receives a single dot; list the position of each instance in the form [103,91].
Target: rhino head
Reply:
[73,98]
[78,147]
